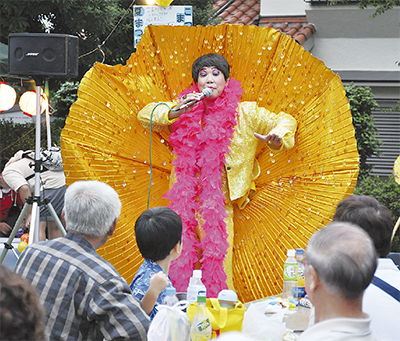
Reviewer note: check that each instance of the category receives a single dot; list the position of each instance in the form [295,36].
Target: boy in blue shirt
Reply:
[158,235]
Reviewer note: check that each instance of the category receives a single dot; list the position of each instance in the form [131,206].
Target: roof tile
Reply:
[247,12]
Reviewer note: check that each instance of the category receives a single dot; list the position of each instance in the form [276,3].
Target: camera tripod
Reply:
[34,200]
[34,230]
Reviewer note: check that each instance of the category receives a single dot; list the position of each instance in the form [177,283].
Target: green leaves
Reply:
[387,192]
[381,6]
[362,104]
[64,97]
[17,136]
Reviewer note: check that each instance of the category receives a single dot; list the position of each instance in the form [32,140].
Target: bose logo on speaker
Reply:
[32,54]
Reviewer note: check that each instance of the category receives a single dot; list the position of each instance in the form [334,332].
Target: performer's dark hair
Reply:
[208,60]
[158,230]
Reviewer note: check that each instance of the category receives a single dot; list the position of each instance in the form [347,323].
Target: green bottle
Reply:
[200,329]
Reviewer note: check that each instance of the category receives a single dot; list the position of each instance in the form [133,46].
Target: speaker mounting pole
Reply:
[40,56]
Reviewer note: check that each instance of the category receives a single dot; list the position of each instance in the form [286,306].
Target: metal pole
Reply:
[34,228]
[48,128]
[55,216]
[46,90]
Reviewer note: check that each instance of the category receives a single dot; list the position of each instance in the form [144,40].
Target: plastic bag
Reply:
[262,327]
[170,324]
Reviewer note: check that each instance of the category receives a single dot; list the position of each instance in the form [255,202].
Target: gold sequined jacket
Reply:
[241,165]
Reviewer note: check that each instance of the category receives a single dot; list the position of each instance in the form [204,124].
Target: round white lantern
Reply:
[8,96]
[27,103]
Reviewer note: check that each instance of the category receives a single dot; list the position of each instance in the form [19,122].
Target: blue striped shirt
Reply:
[85,298]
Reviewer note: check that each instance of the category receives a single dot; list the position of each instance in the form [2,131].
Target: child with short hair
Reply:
[158,235]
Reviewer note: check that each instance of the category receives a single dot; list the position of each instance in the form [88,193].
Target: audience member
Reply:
[21,315]
[10,205]
[340,264]
[377,221]
[158,235]
[85,298]
[19,175]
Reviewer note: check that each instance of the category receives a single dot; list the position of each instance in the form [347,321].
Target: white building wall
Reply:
[283,8]
[345,54]
[347,38]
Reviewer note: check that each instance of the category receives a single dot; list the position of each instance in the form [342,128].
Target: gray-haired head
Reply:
[90,208]
[344,257]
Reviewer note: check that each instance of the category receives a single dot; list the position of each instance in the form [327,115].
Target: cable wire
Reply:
[109,35]
[150,161]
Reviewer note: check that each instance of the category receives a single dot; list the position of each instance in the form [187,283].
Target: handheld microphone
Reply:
[205,93]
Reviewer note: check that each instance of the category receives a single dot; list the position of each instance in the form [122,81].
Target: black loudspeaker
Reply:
[43,54]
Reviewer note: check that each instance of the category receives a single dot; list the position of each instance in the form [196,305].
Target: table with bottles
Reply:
[296,320]
[296,317]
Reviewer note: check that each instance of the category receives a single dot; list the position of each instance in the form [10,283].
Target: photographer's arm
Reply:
[24,192]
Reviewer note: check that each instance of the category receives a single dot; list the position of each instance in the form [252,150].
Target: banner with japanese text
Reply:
[157,15]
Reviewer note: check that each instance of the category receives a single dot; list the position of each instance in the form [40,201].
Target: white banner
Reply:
[157,15]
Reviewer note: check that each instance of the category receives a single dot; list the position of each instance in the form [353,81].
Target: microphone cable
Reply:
[150,141]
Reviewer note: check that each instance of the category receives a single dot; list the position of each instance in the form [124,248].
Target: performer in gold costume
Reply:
[297,189]
[215,142]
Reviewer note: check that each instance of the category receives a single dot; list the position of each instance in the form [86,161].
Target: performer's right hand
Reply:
[185,99]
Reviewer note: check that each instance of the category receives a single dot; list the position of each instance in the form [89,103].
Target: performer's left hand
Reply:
[274,141]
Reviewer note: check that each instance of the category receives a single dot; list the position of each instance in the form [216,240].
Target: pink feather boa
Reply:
[201,140]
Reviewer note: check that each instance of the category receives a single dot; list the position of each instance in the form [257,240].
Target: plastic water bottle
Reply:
[196,287]
[170,298]
[301,283]
[200,329]
[290,276]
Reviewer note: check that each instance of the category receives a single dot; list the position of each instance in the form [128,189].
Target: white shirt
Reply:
[337,329]
[383,309]
[14,175]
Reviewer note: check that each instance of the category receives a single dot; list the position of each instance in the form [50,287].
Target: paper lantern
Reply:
[164,3]
[8,96]
[27,103]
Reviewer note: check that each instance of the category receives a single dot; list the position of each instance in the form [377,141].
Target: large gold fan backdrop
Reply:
[298,189]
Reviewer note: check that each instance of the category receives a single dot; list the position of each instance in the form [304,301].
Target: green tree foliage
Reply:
[64,97]
[17,136]
[362,103]
[387,192]
[381,6]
